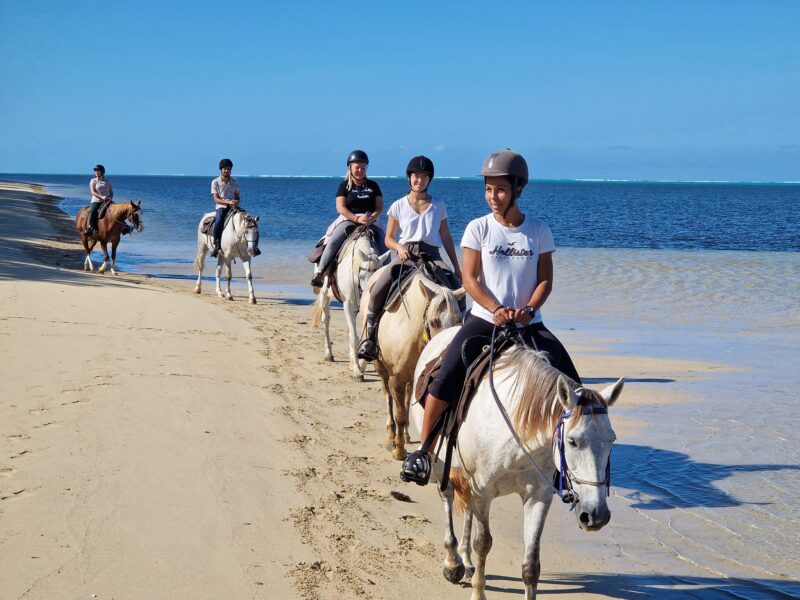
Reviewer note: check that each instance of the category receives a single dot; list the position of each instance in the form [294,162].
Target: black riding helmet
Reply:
[225,162]
[100,168]
[357,156]
[420,164]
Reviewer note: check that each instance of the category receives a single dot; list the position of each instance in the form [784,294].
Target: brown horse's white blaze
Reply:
[488,461]
[109,231]
[424,310]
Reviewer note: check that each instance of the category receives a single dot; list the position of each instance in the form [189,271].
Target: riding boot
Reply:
[215,251]
[368,350]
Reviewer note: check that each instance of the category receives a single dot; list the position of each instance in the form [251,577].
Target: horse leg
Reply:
[104,248]
[352,335]
[534,511]
[382,372]
[219,273]
[249,276]
[401,392]
[114,245]
[87,263]
[482,545]
[229,275]
[465,547]
[453,569]
[199,265]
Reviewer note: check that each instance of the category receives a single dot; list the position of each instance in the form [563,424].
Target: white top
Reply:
[101,186]
[226,191]
[419,227]
[509,260]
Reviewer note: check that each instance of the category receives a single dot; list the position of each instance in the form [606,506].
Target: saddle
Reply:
[332,283]
[399,285]
[207,227]
[450,422]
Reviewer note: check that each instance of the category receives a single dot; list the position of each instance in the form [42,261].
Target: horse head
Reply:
[370,262]
[251,234]
[442,311]
[582,451]
[135,215]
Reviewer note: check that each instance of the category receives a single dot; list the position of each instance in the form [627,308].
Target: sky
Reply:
[635,89]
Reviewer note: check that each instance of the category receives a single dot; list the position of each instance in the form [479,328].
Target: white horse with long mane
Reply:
[239,240]
[422,310]
[356,262]
[488,461]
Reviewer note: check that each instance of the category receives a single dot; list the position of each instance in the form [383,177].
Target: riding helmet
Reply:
[357,156]
[420,164]
[225,162]
[100,168]
[506,162]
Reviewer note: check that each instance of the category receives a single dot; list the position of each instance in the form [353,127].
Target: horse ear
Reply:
[257,218]
[427,287]
[385,255]
[459,293]
[363,254]
[612,392]
[137,204]
[566,396]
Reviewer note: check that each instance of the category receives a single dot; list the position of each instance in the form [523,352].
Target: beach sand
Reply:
[159,444]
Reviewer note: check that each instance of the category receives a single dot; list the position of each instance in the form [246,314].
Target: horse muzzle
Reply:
[254,252]
[593,520]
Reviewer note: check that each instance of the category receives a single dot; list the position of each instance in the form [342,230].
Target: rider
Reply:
[359,201]
[101,191]
[422,221]
[508,271]
[225,191]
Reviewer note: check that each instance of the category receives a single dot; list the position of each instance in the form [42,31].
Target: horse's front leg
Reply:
[249,276]
[114,245]
[352,341]
[229,275]
[534,510]
[482,545]
[401,391]
[453,569]
[199,265]
[104,248]
[391,429]
[326,324]
[218,275]
[87,263]
[465,547]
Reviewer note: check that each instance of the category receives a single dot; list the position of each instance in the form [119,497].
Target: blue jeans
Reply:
[219,222]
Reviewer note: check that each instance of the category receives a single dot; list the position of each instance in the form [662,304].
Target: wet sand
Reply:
[158,444]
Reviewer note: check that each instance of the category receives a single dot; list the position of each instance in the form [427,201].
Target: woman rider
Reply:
[101,192]
[507,269]
[422,221]
[359,201]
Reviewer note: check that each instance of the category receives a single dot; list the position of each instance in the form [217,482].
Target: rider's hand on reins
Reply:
[402,253]
[503,315]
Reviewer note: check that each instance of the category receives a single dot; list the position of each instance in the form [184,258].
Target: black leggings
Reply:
[94,209]
[450,380]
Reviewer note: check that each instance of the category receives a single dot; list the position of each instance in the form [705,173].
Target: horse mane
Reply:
[120,209]
[538,409]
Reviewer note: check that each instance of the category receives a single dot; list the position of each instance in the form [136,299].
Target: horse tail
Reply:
[316,316]
[198,259]
[462,489]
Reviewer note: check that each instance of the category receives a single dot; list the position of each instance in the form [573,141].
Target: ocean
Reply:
[693,271]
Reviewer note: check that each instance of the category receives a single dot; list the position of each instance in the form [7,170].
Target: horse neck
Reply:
[441,312]
[120,211]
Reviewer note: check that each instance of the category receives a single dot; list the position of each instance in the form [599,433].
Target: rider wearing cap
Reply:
[225,191]
[359,201]
[102,192]
[422,221]
[507,269]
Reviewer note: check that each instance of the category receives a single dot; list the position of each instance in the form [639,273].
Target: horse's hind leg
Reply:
[453,569]
[229,276]
[534,512]
[387,393]
[87,263]
[249,276]
[325,303]
[199,265]
[114,245]
[218,274]
[401,392]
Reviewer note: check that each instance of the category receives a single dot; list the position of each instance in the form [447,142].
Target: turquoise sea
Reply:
[697,271]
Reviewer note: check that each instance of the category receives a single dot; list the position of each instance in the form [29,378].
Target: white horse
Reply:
[489,462]
[406,326]
[239,240]
[356,262]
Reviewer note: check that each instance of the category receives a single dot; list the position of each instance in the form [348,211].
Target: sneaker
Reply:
[317,280]
[215,253]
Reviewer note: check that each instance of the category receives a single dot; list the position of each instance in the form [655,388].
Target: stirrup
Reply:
[416,468]
[367,351]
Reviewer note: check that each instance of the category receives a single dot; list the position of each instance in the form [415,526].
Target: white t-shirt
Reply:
[226,191]
[416,227]
[509,259]
[102,187]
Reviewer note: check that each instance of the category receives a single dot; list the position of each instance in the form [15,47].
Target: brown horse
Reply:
[109,231]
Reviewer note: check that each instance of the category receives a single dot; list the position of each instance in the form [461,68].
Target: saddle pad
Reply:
[208,225]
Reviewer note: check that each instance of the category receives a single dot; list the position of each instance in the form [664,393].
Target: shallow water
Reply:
[706,491]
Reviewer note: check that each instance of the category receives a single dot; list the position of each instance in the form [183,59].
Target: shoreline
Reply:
[212,428]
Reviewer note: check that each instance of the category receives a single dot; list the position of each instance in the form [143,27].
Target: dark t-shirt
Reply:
[360,200]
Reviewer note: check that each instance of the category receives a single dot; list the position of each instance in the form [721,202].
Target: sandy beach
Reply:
[159,444]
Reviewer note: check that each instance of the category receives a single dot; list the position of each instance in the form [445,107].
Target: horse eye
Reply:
[572,442]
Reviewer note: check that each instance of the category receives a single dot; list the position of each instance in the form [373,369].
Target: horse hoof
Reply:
[454,574]
[253,301]
[359,378]
[196,290]
[399,454]
[329,358]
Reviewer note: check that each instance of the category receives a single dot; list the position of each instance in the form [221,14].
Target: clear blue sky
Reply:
[679,89]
